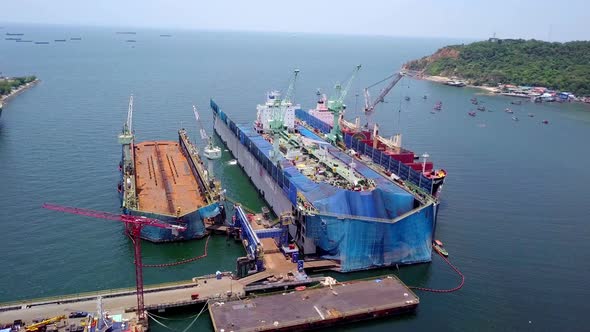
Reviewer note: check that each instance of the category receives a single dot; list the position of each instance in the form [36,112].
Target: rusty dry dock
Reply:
[297,311]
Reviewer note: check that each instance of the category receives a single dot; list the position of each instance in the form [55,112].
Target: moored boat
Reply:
[440,250]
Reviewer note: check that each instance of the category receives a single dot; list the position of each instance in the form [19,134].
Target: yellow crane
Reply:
[35,327]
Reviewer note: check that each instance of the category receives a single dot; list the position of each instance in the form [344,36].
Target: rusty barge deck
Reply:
[327,306]
[164,180]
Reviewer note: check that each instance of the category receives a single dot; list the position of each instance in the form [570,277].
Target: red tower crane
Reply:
[133,224]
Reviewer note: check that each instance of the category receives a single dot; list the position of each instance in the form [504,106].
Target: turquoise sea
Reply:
[514,212]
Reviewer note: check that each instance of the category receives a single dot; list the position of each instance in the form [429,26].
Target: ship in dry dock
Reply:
[168,181]
[345,208]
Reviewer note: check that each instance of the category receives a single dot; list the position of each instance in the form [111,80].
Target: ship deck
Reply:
[164,180]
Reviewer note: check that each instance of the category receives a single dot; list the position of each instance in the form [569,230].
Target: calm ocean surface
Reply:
[514,213]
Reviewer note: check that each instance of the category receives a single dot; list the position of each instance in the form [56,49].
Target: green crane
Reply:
[277,121]
[336,106]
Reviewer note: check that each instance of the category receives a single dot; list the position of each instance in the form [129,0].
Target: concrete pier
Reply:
[321,307]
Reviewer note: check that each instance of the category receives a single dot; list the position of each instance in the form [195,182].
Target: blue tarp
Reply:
[356,242]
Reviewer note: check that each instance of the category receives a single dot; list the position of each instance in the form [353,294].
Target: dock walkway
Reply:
[327,306]
[120,301]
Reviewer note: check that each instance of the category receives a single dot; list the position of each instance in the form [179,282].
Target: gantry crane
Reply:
[336,106]
[370,105]
[133,224]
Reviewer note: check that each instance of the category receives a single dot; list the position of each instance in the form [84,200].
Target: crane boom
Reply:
[134,224]
[290,89]
[144,221]
[336,107]
[370,106]
[129,123]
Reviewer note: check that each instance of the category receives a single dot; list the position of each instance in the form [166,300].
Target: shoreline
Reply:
[444,79]
[18,90]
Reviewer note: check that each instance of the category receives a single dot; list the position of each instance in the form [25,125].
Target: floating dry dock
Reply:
[298,311]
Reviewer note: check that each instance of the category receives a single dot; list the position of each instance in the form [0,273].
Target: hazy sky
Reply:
[540,19]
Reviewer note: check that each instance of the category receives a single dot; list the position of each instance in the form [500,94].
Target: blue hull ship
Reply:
[344,208]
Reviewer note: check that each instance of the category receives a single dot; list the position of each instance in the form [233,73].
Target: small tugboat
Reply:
[440,249]
[508,111]
[471,113]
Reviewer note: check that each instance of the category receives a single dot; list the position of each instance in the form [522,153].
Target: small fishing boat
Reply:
[440,250]
[545,122]
[407,98]
[514,118]
[516,102]
[425,97]
[471,113]
[531,115]
[481,108]
[508,111]
[432,112]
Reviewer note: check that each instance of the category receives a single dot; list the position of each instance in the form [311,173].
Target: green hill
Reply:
[560,66]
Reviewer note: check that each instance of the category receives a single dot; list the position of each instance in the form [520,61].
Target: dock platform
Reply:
[158,298]
[327,306]
[164,180]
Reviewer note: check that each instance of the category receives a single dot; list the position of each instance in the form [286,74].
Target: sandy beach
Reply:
[444,79]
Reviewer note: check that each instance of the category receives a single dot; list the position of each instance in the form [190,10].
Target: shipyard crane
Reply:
[336,106]
[370,105]
[133,224]
[277,120]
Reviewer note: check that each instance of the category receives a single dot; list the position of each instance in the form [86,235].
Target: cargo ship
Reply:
[364,142]
[167,180]
[343,208]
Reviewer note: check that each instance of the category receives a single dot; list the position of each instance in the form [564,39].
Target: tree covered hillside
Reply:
[561,66]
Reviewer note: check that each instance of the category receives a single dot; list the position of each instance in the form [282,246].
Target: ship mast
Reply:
[336,106]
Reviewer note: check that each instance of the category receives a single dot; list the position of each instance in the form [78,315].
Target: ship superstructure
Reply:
[343,208]
[167,180]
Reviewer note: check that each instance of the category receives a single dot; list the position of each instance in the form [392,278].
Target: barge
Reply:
[167,180]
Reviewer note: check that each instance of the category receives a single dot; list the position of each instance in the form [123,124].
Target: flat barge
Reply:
[316,308]
[167,180]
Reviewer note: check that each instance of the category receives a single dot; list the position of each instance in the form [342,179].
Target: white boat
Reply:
[211,151]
